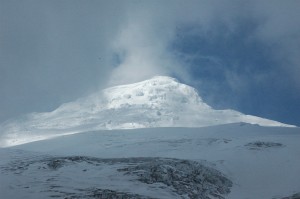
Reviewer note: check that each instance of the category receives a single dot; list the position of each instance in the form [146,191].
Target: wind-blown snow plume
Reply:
[141,46]
[145,38]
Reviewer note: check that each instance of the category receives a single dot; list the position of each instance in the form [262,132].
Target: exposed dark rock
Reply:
[261,145]
[184,178]
[187,177]
[98,194]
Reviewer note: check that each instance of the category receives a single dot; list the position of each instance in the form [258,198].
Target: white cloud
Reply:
[149,27]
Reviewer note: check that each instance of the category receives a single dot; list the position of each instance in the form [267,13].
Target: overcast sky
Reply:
[243,55]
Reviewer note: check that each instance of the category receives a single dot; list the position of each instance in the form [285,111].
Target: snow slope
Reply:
[158,102]
[151,139]
[248,160]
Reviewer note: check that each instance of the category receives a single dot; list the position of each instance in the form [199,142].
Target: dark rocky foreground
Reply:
[186,177]
[119,178]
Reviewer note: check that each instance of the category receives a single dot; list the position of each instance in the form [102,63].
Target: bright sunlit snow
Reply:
[158,102]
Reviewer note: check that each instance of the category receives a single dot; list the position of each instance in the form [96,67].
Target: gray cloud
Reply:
[150,27]
[53,51]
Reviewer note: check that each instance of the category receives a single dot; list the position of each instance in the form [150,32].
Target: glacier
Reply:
[161,101]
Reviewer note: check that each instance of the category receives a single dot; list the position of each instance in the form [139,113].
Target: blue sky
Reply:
[243,55]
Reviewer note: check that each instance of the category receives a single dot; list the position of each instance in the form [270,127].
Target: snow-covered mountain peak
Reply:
[158,102]
[157,92]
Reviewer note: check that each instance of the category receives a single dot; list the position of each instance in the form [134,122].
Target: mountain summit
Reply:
[158,102]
